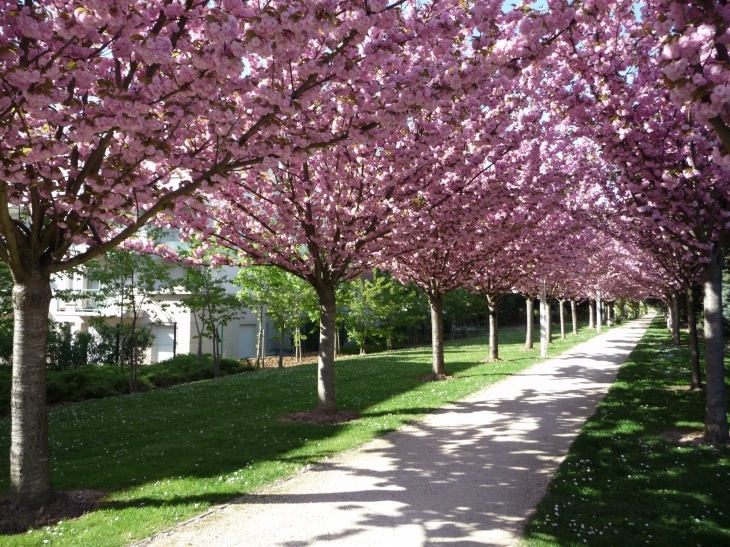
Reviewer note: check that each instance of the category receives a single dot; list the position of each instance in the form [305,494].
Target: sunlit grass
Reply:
[168,455]
[621,483]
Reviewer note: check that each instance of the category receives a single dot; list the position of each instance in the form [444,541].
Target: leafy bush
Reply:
[86,382]
[94,382]
[66,350]
[108,339]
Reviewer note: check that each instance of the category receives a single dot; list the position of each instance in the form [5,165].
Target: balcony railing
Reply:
[86,302]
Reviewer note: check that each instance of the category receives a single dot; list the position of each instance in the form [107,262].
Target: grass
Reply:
[621,483]
[168,455]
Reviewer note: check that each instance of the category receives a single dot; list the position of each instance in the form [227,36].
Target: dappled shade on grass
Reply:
[170,454]
[622,483]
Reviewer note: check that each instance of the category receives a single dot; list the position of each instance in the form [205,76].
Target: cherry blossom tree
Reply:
[663,163]
[113,109]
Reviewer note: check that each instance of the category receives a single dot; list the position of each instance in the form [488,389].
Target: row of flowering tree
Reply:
[111,110]
[457,143]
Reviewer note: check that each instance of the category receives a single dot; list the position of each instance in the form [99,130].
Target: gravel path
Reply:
[469,474]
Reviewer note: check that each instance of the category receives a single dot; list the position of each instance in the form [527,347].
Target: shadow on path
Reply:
[469,474]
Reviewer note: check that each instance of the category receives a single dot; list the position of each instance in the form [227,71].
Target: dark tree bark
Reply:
[716,426]
[676,340]
[281,347]
[326,362]
[591,314]
[529,343]
[216,352]
[492,302]
[599,312]
[30,473]
[437,333]
[694,345]
[544,321]
[574,316]
[562,319]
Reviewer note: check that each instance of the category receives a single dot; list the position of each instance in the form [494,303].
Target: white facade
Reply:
[172,324]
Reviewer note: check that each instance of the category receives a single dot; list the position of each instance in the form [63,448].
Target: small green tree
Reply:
[288,301]
[382,308]
[212,306]
[133,281]
[461,308]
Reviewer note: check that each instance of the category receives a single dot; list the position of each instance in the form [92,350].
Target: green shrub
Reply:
[94,382]
[234,366]
[86,382]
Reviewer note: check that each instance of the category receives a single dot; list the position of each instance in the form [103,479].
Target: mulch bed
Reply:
[321,418]
[688,436]
[435,378]
[684,436]
[67,505]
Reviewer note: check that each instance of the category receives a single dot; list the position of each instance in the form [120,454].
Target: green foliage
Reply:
[289,300]
[210,303]
[185,368]
[66,350]
[132,281]
[381,308]
[128,279]
[461,309]
[88,381]
[104,349]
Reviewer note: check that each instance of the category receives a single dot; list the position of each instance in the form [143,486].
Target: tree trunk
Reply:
[716,426]
[133,356]
[326,362]
[529,344]
[544,320]
[200,348]
[298,345]
[676,340]
[611,318]
[492,302]
[694,345]
[260,363]
[437,333]
[216,353]
[574,316]
[548,303]
[668,319]
[591,314]
[281,347]
[30,473]
[599,311]
[562,319]
[338,349]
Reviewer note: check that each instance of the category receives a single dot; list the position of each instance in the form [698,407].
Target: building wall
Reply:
[164,314]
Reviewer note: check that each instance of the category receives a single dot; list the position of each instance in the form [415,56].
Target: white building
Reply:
[172,324]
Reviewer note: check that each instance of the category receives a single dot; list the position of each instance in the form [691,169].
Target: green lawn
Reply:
[168,455]
[622,484]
